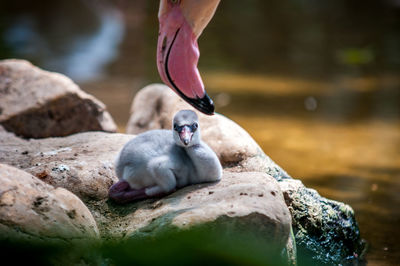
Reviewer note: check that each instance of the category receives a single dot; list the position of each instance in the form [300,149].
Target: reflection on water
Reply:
[81,55]
[95,50]
[316,83]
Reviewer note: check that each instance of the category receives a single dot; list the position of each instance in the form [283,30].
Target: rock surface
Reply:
[154,107]
[324,229]
[82,163]
[37,104]
[31,209]
[233,204]
[233,197]
[248,196]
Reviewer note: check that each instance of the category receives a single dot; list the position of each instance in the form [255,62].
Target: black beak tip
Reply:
[204,105]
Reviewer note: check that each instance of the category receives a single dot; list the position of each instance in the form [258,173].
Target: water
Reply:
[316,84]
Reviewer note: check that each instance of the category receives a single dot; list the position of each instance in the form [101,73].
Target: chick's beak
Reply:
[186,135]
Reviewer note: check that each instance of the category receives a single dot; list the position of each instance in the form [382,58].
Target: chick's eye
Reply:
[195,126]
[176,127]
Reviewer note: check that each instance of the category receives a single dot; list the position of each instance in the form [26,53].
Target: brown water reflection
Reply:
[316,83]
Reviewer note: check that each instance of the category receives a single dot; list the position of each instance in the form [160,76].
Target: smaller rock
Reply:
[33,210]
[154,107]
[37,104]
[325,230]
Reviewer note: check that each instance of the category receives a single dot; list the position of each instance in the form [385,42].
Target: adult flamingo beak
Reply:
[181,23]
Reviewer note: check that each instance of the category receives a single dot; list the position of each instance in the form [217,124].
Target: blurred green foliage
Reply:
[355,56]
[190,247]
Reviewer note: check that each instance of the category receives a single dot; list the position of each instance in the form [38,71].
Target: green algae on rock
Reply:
[324,229]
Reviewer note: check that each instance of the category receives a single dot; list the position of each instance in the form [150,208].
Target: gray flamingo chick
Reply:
[157,162]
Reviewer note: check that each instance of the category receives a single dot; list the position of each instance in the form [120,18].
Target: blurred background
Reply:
[316,83]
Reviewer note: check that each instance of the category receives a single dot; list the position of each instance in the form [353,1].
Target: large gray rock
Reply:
[233,197]
[248,201]
[82,163]
[37,104]
[154,107]
[33,210]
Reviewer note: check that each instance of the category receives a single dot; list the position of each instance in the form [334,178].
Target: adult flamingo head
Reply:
[181,23]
